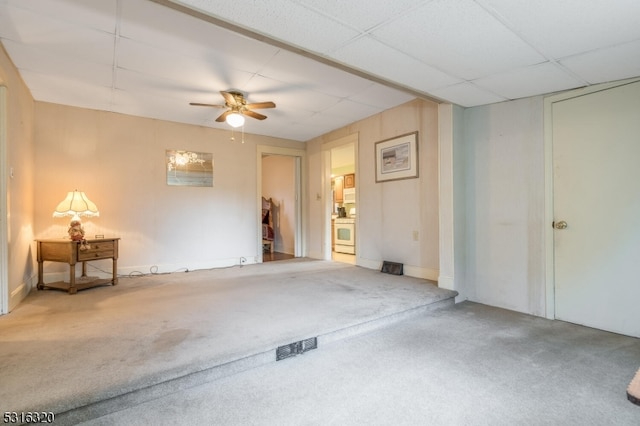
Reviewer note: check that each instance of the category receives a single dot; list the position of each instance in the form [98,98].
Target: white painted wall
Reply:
[278,183]
[504,197]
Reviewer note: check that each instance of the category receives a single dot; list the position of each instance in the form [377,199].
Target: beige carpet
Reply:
[60,352]
[467,365]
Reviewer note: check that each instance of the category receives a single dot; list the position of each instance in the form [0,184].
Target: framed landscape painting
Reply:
[397,158]
[187,168]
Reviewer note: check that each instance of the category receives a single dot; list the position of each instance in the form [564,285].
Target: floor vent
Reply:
[295,348]
[392,268]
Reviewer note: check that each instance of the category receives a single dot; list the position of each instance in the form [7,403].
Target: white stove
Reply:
[345,235]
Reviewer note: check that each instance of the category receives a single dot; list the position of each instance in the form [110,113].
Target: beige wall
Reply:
[389,213]
[20,183]
[119,161]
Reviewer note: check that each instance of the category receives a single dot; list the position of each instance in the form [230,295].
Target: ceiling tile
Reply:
[467,95]
[280,19]
[470,52]
[460,37]
[396,66]
[529,81]
[196,75]
[362,14]
[56,36]
[312,75]
[569,27]
[305,100]
[190,36]
[30,58]
[67,91]
[599,66]
[379,96]
[260,88]
[350,111]
[95,14]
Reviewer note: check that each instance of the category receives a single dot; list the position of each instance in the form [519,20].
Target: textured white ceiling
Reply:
[151,58]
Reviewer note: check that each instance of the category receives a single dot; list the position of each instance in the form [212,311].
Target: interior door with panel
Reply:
[596,196]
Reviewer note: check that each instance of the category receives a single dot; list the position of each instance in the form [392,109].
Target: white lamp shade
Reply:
[235,119]
[76,204]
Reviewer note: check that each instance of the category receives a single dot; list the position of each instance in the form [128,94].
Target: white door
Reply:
[596,184]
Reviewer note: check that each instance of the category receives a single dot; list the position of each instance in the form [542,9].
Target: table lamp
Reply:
[76,204]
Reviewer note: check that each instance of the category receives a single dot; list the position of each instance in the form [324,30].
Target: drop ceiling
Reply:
[325,63]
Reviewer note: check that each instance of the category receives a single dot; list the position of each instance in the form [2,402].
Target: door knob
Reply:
[560,225]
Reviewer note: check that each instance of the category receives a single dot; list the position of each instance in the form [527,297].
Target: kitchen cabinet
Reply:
[338,186]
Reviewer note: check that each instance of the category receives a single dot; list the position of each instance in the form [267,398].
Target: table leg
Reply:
[72,279]
[40,284]
[115,271]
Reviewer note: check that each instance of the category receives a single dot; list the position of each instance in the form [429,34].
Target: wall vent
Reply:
[393,268]
[295,348]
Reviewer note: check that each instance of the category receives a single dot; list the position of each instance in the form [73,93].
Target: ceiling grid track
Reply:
[116,40]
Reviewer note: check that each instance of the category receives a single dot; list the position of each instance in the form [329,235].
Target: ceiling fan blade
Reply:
[229,98]
[254,114]
[223,116]
[259,105]
[206,105]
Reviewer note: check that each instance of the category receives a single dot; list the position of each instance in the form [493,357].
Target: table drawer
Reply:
[100,250]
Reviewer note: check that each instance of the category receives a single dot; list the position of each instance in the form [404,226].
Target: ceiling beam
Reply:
[294,49]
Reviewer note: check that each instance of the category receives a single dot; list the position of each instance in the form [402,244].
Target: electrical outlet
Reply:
[416,235]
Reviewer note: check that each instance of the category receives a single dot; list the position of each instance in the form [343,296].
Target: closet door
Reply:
[596,157]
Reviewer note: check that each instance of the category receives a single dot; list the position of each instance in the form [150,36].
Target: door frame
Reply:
[326,174]
[550,311]
[4,220]
[299,158]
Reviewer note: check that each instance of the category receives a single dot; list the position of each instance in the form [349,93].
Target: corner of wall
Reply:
[20,293]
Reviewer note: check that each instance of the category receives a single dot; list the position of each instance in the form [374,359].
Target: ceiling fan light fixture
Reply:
[235,119]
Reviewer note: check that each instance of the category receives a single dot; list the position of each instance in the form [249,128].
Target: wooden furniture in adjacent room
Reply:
[338,185]
[268,234]
[72,252]
[350,181]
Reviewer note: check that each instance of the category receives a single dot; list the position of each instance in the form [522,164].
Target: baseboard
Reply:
[185,267]
[316,255]
[446,282]
[424,273]
[411,271]
[105,271]
[19,294]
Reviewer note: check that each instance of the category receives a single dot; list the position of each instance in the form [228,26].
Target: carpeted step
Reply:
[263,356]
[633,391]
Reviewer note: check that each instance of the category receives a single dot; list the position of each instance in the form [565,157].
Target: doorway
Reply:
[342,155]
[278,207]
[279,172]
[596,203]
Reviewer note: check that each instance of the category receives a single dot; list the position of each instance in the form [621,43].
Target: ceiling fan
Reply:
[237,108]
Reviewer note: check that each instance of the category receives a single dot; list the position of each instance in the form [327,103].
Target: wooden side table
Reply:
[72,252]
